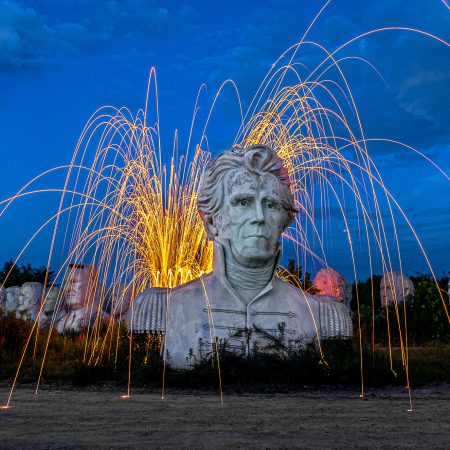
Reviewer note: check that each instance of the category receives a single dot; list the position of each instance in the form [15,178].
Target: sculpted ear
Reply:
[211,227]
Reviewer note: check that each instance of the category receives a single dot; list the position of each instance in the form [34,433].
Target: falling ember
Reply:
[130,210]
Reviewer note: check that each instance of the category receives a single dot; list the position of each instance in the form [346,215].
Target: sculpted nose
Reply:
[258,217]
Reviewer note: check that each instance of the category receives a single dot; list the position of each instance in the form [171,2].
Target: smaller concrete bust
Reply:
[29,299]
[448,291]
[330,282]
[52,311]
[12,294]
[245,203]
[2,297]
[81,290]
[395,287]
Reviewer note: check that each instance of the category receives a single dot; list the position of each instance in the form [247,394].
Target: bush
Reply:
[82,360]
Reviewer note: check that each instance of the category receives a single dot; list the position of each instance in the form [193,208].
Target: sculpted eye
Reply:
[242,201]
[271,204]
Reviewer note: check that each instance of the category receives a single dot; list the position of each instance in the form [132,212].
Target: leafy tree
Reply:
[426,319]
[426,314]
[294,275]
[23,273]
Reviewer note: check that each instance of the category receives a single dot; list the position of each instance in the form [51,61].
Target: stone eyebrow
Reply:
[239,197]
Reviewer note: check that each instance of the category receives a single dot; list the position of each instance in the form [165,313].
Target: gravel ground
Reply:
[329,418]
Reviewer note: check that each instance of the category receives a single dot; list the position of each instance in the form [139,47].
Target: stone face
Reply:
[12,294]
[81,297]
[395,286]
[330,282]
[49,314]
[2,297]
[245,203]
[81,285]
[29,299]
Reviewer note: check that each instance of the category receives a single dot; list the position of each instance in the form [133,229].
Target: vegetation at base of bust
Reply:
[279,366]
[20,274]
[305,367]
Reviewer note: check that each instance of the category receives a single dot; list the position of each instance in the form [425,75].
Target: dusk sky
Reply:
[60,60]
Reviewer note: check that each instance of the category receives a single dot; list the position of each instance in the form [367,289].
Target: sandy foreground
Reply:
[93,418]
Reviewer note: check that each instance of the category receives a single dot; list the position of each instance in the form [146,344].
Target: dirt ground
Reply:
[96,418]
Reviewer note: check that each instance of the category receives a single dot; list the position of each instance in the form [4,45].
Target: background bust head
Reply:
[29,297]
[395,286]
[2,297]
[81,286]
[12,294]
[50,299]
[245,198]
[332,283]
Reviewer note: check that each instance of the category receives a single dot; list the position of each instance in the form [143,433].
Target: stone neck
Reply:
[246,281]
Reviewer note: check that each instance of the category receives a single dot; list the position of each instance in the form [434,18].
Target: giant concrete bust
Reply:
[395,287]
[246,203]
[329,282]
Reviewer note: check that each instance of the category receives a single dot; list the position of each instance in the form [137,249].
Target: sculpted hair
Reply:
[256,160]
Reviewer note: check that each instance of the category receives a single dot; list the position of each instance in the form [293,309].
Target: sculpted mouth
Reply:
[256,236]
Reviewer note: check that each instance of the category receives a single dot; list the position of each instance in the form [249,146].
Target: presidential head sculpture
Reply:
[2,297]
[12,294]
[395,286]
[50,299]
[332,283]
[29,299]
[245,198]
[81,286]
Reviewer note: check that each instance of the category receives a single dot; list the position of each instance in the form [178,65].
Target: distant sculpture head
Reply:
[395,286]
[448,290]
[2,297]
[50,300]
[12,294]
[330,282]
[245,198]
[29,298]
[81,286]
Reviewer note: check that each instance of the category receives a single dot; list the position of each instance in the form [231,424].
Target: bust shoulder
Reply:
[147,312]
[334,318]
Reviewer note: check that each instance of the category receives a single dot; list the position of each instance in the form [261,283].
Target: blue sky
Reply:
[61,60]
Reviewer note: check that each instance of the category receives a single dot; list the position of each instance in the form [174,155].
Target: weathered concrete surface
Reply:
[326,419]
